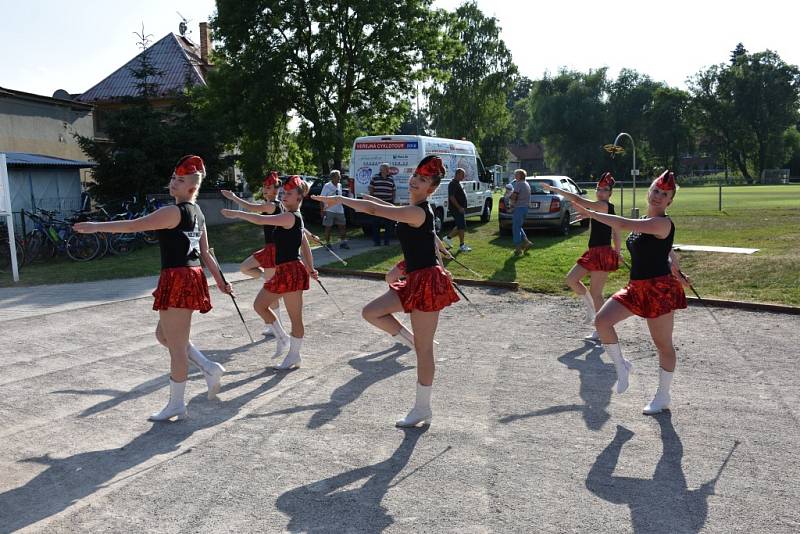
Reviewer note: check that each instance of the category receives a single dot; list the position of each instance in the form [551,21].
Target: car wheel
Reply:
[564,227]
[486,214]
[438,220]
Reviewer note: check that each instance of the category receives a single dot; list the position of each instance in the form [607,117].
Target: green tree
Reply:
[748,105]
[667,128]
[569,116]
[339,64]
[471,100]
[145,142]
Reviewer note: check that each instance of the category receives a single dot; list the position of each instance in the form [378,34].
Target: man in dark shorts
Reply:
[457,206]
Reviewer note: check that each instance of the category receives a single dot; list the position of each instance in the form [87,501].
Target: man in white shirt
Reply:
[334,214]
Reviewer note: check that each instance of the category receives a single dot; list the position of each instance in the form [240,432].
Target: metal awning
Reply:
[23,159]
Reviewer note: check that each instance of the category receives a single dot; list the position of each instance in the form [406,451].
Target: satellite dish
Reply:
[184,24]
[62,94]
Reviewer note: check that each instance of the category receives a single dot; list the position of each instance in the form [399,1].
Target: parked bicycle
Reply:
[121,244]
[5,250]
[51,236]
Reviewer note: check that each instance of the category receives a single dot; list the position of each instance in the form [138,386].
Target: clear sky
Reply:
[47,44]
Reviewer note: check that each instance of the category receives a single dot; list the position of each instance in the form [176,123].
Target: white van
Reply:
[403,152]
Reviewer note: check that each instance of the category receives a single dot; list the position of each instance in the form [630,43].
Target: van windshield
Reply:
[536,186]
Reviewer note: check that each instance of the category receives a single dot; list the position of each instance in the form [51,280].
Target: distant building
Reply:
[44,125]
[44,182]
[529,156]
[181,63]
[46,166]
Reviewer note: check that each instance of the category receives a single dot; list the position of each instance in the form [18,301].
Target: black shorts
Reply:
[461,221]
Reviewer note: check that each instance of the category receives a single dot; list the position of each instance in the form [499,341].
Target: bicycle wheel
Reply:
[121,244]
[151,237]
[5,254]
[103,244]
[82,247]
[37,246]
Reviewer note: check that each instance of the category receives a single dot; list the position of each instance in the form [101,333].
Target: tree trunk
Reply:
[741,163]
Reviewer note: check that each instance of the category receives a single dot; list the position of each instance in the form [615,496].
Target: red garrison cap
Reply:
[432,167]
[606,180]
[292,182]
[271,178]
[190,165]
[666,182]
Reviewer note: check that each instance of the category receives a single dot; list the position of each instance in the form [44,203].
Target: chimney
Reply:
[205,42]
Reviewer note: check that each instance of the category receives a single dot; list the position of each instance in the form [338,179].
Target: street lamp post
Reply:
[634,172]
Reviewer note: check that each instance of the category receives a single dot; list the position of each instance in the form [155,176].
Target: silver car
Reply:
[546,210]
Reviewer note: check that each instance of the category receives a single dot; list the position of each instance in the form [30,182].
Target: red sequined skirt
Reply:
[182,287]
[288,277]
[427,290]
[266,256]
[652,297]
[602,258]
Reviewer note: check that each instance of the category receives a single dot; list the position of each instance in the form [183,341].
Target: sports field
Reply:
[763,217]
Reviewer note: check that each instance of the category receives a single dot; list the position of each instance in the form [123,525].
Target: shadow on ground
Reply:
[372,369]
[663,504]
[329,505]
[597,379]
[66,480]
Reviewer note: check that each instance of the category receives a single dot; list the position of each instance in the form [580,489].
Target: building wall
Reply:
[43,128]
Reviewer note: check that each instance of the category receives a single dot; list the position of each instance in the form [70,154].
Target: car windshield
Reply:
[536,186]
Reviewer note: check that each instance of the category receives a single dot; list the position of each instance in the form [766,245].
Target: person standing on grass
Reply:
[458,209]
[261,263]
[654,290]
[418,285]
[382,186]
[601,258]
[182,287]
[291,276]
[334,214]
[521,199]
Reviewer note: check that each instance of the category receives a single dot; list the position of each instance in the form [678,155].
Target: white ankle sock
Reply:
[422,400]
[198,358]
[421,412]
[621,365]
[589,303]
[664,381]
[176,407]
[295,343]
[277,327]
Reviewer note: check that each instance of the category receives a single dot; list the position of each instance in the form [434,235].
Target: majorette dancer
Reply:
[655,288]
[261,263]
[601,258]
[419,285]
[291,276]
[182,286]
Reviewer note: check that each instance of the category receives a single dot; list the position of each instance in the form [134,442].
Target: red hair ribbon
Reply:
[606,180]
[190,165]
[432,167]
[292,182]
[666,182]
[271,179]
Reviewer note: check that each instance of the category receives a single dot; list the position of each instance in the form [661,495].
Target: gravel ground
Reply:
[527,435]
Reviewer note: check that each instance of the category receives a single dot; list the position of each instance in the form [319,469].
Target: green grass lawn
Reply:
[764,217]
[231,242]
